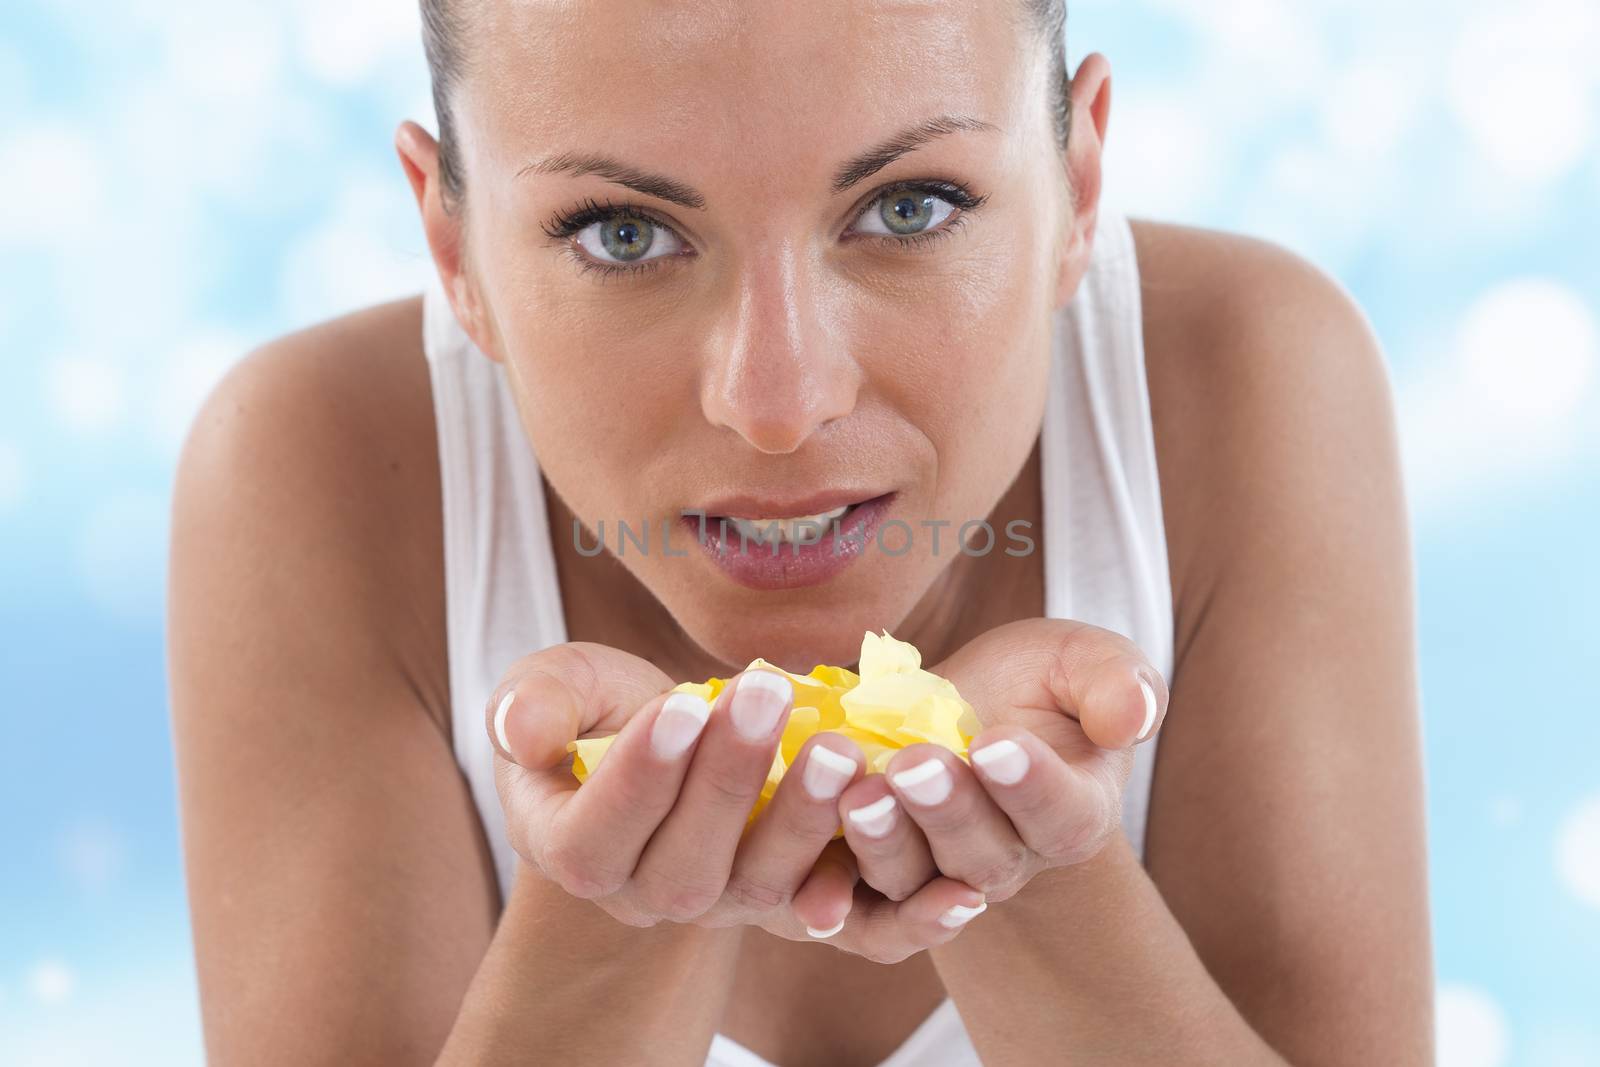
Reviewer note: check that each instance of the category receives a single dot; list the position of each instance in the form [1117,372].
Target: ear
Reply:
[1090,111]
[444,229]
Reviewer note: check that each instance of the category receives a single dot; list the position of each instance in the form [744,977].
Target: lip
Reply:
[749,506]
[792,565]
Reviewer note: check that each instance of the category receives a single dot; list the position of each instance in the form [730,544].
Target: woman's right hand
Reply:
[658,829]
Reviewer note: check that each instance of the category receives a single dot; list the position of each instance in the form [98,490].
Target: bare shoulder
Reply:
[1292,749]
[1267,385]
[1205,291]
[332,425]
[304,649]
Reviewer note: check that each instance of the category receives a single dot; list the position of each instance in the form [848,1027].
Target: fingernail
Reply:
[500,721]
[758,703]
[1149,708]
[827,772]
[1003,760]
[958,915]
[679,722]
[928,782]
[875,819]
[829,932]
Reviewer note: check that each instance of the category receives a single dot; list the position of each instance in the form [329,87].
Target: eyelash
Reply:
[566,224]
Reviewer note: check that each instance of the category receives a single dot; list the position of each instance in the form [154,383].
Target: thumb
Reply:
[558,694]
[824,899]
[1091,674]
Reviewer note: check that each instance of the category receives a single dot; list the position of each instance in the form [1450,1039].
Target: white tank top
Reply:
[1105,548]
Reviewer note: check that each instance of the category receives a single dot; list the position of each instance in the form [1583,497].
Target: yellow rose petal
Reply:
[834,677]
[586,753]
[891,703]
[802,724]
[884,655]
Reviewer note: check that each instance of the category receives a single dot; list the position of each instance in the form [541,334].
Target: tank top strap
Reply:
[502,596]
[1105,553]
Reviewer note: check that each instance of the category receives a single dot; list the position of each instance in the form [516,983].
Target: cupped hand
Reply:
[1062,703]
[658,830]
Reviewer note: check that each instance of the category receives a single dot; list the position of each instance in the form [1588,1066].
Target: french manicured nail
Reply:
[500,721]
[829,932]
[928,782]
[827,772]
[875,819]
[758,703]
[958,915]
[1003,760]
[1149,708]
[682,717]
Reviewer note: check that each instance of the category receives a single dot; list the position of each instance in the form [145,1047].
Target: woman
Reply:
[851,261]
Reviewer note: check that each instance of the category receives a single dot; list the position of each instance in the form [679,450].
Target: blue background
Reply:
[181,181]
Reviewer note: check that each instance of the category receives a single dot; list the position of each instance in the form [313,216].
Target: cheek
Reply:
[598,390]
[580,359]
[971,377]
[597,422]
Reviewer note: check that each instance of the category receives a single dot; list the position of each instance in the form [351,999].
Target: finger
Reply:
[824,899]
[970,837]
[888,931]
[893,854]
[1119,700]
[558,694]
[1060,811]
[781,848]
[685,866]
[546,699]
[595,836]
[1094,675]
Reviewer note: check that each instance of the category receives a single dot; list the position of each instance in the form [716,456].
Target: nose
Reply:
[777,368]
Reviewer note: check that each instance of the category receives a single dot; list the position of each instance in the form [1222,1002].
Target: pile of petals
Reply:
[892,703]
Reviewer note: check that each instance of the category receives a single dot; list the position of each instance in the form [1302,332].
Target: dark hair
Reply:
[442,40]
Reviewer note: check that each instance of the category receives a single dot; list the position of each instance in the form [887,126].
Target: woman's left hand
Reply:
[1062,703]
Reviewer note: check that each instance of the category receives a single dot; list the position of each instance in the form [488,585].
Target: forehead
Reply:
[751,83]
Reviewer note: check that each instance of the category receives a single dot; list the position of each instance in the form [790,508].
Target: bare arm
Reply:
[592,989]
[342,895]
[1284,913]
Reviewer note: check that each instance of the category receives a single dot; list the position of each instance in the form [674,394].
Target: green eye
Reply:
[905,211]
[908,213]
[627,237]
[623,237]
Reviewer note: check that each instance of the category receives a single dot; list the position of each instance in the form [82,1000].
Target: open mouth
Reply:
[757,544]
[801,529]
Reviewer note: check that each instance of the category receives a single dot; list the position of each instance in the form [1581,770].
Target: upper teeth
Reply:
[803,527]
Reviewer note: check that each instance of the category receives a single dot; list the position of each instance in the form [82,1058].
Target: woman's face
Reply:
[782,300]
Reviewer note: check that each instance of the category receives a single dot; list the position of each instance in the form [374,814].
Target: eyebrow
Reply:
[852,171]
